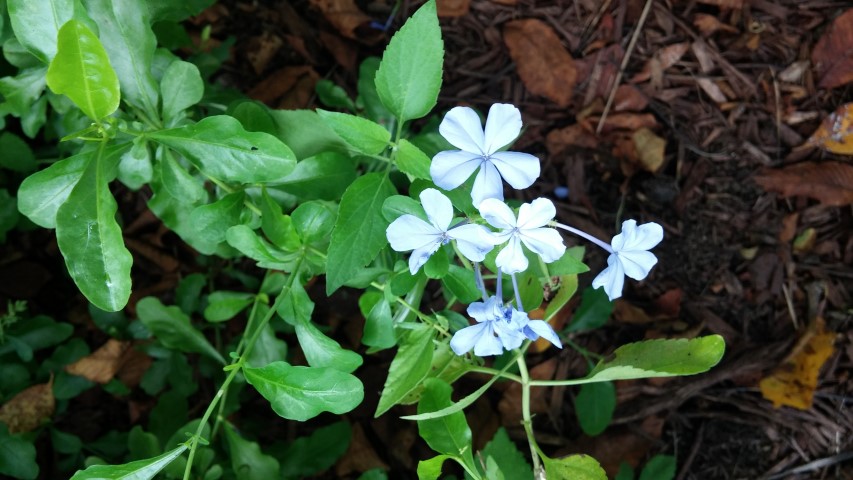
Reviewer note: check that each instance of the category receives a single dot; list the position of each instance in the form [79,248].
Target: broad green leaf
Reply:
[446,366]
[412,161]
[431,469]
[314,222]
[36,333]
[396,206]
[301,393]
[142,444]
[364,135]
[42,193]
[359,232]
[368,99]
[593,312]
[450,434]
[568,264]
[409,367]
[36,24]
[409,76]
[438,264]
[223,305]
[254,116]
[311,455]
[173,329]
[23,98]
[17,456]
[247,459]
[125,30]
[135,168]
[81,71]
[306,133]
[268,348]
[324,176]
[594,407]
[660,467]
[322,351]
[181,88]
[91,240]
[378,324]
[277,227]
[253,246]
[332,95]
[17,154]
[575,467]
[138,470]
[211,221]
[177,180]
[168,415]
[222,149]
[493,471]
[660,358]
[296,307]
[505,453]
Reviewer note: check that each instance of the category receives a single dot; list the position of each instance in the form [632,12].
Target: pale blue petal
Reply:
[511,259]
[488,184]
[438,208]
[637,263]
[536,213]
[462,128]
[497,213]
[450,169]
[464,340]
[474,241]
[409,232]
[542,329]
[503,125]
[611,278]
[485,311]
[488,345]
[510,337]
[645,237]
[421,255]
[545,242]
[518,169]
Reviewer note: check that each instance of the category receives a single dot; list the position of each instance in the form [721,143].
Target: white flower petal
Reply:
[546,242]
[497,213]
[518,169]
[482,311]
[502,126]
[542,329]
[474,241]
[488,345]
[488,184]
[510,337]
[463,129]
[645,237]
[450,169]
[421,255]
[511,259]
[409,232]
[438,208]
[536,213]
[637,263]
[611,278]
[624,237]
[464,340]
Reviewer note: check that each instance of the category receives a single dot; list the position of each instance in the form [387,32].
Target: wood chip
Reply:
[545,67]
[833,55]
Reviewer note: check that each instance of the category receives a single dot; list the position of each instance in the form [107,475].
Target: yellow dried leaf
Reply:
[793,383]
[835,134]
[27,410]
[102,365]
[650,149]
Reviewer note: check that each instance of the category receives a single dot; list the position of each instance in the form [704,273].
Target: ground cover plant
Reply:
[381,197]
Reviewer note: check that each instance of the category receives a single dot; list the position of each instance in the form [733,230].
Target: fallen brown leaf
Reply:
[629,98]
[650,149]
[625,121]
[545,67]
[710,24]
[572,136]
[835,133]
[830,183]
[27,410]
[344,15]
[663,59]
[102,364]
[452,8]
[724,3]
[832,55]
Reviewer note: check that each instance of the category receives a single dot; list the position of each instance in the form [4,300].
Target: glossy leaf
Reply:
[449,434]
[314,222]
[247,459]
[91,240]
[253,246]
[223,305]
[512,463]
[222,149]
[409,76]
[359,232]
[81,71]
[182,88]
[576,467]
[322,177]
[412,161]
[36,24]
[135,168]
[322,351]
[568,288]
[593,312]
[409,367]
[594,407]
[378,323]
[277,227]
[177,180]
[301,393]
[138,470]
[431,469]
[173,329]
[211,222]
[306,133]
[364,135]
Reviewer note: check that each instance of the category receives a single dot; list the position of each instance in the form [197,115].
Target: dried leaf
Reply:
[830,183]
[629,98]
[27,410]
[574,135]
[709,24]
[545,67]
[650,149]
[665,58]
[343,14]
[626,121]
[101,365]
[793,383]
[724,3]
[832,55]
[835,133]
[712,89]
[262,49]
[452,8]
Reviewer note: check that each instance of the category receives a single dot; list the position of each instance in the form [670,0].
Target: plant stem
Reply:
[517,293]
[585,235]
[527,420]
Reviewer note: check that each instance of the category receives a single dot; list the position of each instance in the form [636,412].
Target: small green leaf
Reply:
[412,161]
[253,246]
[397,205]
[368,99]
[182,88]
[576,467]
[311,455]
[268,348]
[593,312]
[277,227]
[594,406]
[17,154]
[314,222]
[177,180]
[438,265]
[222,149]
[223,305]
[297,306]
[324,176]
[254,116]
[359,232]
[247,459]
[135,168]
[333,96]
[409,367]
[306,133]
[660,467]
[173,329]
[449,434]
[138,470]
[431,469]
[378,324]
[17,456]
[505,453]
[660,358]
[366,136]
[91,240]
[568,264]
[81,70]
[301,393]
[23,98]
[211,221]
[322,351]
[409,76]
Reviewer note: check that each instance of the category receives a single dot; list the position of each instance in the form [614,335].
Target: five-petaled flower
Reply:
[528,229]
[630,256]
[409,232]
[477,148]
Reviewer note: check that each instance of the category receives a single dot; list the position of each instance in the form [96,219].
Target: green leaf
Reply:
[446,366]
[211,221]
[311,455]
[368,99]
[625,472]
[378,324]
[181,87]
[511,461]
[247,459]
[359,232]
[36,24]
[135,168]
[412,161]
[277,227]
[125,30]
[177,180]
[306,133]
[297,306]
[449,434]
[81,71]
[91,240]
[222,149]
[254,116]
[332,95]
[397,205]
[176,11]
[576,467]
[594,407]
[23,98]
[431,469]
[17,155]
[223,305]
[593,312]
[253,246]
[324,176]
[173,329]
[322,351]
[142,444]
[300,393]
[409,76]
[268,348]
[660,467]
[138,470]
[366,136]
[660,358]
[314,222]
[409,367]
[568,264]
[8,213]
[17,456]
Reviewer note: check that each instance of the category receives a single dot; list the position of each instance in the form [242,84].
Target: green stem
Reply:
[496,373]
[527,420]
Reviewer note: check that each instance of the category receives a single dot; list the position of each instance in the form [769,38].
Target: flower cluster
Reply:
[502,326]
